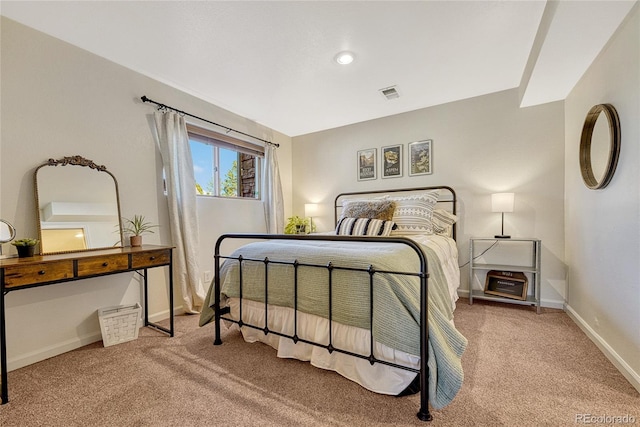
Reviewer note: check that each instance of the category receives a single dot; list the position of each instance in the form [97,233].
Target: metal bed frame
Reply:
[423,275]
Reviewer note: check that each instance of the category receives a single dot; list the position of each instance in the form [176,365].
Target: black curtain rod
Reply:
[145,99]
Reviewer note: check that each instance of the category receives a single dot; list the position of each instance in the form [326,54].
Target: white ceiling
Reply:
[272,61]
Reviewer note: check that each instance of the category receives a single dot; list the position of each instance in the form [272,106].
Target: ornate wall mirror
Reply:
[77,206]
[599,146]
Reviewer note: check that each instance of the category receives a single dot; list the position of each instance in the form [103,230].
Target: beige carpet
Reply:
[520,369]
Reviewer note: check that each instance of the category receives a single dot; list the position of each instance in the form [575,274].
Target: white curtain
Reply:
[173,141]
[272,192]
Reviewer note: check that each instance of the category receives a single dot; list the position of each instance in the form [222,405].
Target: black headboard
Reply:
[447,199]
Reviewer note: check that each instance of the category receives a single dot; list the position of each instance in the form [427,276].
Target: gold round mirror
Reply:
[599,146]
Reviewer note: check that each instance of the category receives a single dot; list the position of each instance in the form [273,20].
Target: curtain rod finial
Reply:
[144,98]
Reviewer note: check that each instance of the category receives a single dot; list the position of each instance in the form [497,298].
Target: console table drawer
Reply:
[150,258]
[21,275]
[102,265]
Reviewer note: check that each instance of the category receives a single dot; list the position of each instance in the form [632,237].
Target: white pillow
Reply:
[413,213]
[364,227]
[443,222]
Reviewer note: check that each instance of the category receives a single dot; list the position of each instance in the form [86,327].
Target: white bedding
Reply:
[447,251]
[378,377]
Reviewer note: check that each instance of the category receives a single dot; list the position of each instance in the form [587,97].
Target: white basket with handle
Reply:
[119,324]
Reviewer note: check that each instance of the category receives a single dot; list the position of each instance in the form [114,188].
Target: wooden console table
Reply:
[45,270]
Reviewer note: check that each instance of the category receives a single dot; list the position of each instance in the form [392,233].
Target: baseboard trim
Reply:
[624,368]
[47,352]
[162,315]
[53,350]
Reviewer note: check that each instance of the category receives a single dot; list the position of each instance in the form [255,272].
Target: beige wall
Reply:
[480,146]
[58,100]
[603,226]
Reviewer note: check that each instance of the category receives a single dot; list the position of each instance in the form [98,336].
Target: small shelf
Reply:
[488,297]
[533,269]
[505,267]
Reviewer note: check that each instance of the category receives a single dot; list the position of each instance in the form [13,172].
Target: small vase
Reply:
[25,251]
[135,240]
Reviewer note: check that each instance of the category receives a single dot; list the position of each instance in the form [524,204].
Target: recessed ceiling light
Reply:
[345,58]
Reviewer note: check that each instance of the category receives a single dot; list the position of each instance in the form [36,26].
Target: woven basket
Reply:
[119,324]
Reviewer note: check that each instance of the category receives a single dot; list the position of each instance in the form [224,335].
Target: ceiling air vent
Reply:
[390,92]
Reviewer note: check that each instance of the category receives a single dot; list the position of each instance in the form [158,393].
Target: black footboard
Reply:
[423,372]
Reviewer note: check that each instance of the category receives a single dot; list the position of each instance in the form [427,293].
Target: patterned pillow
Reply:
[413,214]
[375,209]
[443,222]
[364,227]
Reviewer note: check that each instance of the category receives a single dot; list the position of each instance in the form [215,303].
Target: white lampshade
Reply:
[502,202]
[310,209]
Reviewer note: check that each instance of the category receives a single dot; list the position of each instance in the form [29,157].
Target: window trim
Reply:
[217,141]
[207,136]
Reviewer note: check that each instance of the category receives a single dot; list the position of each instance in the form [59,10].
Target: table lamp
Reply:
[502,202]
[310,209]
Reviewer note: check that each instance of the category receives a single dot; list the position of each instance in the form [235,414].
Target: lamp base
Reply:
[502,236]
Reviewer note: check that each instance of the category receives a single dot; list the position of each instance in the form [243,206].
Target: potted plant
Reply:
[298,225]
[26,247]
[136,227]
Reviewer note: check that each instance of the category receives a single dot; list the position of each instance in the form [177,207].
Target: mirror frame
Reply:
[586,168]
[76,161]
[12,230]
[12,234]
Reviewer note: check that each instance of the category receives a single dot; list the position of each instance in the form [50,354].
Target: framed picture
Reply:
[367,164]
[420,159]
[392,161]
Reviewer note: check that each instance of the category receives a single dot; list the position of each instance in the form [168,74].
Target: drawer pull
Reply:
[151,258]
[104,264]
[42,272]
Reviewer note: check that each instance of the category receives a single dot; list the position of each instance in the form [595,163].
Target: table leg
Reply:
[169,331]
[3,344]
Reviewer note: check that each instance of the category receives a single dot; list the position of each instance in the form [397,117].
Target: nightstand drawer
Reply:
[102,265]
[150,258]
[21,275]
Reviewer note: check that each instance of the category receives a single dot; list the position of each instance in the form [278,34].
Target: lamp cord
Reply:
[479,255]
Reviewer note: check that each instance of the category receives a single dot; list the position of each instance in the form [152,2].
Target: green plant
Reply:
[25,242]
[230,183]
[137,225]
[296,224]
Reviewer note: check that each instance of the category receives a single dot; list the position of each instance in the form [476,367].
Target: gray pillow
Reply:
[372,209]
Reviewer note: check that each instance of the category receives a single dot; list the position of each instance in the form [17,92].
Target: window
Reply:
[225,166]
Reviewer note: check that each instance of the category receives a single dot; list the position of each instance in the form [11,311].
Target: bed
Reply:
[353,300]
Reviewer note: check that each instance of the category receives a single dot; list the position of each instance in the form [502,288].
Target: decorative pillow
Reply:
[443,222]
[375,209]
[364,227]
[413,214]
